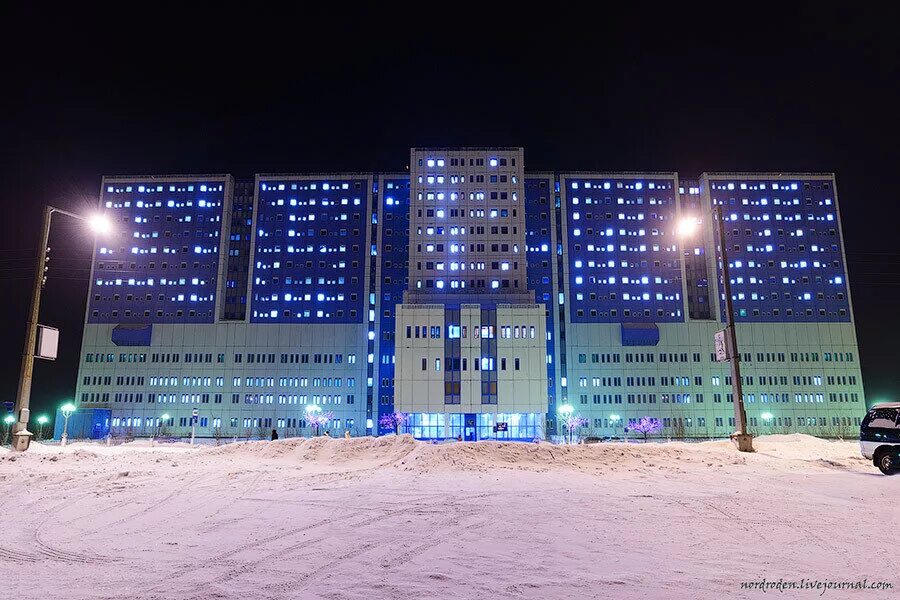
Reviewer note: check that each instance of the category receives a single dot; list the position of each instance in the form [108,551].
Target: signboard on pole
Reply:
[194,414]
[47,342]
[721,343]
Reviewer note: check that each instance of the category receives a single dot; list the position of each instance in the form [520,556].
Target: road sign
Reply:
[721,340]
[47,342]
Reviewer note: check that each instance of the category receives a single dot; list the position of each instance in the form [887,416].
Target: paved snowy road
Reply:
[393,518]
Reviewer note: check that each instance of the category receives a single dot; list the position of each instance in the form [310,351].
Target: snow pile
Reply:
[405,453]
[324,454]
[391,517]
[794,448]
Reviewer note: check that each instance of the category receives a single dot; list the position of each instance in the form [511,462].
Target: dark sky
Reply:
[786,87]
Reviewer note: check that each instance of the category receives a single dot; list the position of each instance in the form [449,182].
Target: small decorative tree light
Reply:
[565,411]
[316,418]
[320,419]
[393,420]
[646,425]
[573,422]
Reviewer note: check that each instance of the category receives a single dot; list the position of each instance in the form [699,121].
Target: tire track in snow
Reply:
[446,527]
[44,549]
[301,581]
[16,556]
[266,542]
[153,506]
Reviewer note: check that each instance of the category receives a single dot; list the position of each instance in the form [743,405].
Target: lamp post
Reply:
[8,420]
[66,409]
[565,411]
[21,435]
[42,422]
[614,419]
[165,417]
[740,437]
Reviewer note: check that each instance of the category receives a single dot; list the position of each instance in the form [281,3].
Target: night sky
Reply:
[690,89]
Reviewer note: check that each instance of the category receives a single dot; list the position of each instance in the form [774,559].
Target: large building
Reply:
[471,295]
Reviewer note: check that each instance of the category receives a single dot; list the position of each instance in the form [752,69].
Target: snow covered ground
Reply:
[395,518]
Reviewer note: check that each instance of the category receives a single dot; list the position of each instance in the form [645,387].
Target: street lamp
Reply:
[42,422]
[8,420]
[767,417]
[99,224]
[312,411]
[687,227]
[165,417]
[614,419]
[565,411]
[743,439]
[66,409]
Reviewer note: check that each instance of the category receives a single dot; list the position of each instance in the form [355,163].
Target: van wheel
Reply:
[887,462]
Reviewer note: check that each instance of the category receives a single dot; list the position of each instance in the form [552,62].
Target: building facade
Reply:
[471,295]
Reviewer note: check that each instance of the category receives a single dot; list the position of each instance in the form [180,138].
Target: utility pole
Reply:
[21,435]
[740,436]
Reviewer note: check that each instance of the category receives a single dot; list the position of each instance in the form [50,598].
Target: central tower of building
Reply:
[470,339]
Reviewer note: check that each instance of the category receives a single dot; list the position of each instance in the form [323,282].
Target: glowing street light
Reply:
[687,227]
[66,409]
[565,411]
[744,440]
[615,420]
[767,416]
[42,422]
[9,420]
[162,419]
[99,224]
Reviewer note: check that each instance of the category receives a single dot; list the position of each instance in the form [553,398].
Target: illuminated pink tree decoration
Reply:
[646,425]
[573,422]
[393,421]
[319,419]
